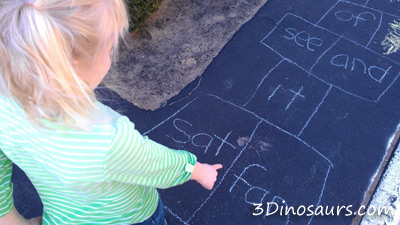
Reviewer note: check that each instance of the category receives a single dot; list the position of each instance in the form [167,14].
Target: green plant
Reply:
[139,10]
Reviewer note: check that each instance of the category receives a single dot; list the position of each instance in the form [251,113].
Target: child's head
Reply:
[53,53]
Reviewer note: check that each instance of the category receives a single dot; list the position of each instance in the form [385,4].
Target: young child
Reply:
[87,162]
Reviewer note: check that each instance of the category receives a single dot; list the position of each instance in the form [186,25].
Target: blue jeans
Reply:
[157,218]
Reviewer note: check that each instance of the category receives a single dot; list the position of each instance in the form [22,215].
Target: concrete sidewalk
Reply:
[180,41]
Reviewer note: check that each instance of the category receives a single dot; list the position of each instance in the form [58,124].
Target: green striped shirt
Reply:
[108,175]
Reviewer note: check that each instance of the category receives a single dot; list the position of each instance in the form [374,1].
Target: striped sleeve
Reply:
[6,188]
[136,159]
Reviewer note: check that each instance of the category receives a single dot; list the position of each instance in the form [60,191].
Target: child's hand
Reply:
[205,174]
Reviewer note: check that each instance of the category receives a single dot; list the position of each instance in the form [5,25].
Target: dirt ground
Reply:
[178,44]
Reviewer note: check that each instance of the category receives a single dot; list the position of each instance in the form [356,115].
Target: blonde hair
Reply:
[39,42]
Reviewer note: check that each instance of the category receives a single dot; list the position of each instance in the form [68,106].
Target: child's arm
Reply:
[14,218]
[6,192]
[205,174]
[8,214]
[133,158]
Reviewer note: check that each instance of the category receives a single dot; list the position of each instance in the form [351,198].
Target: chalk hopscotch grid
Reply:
[331,85]
[261,120]
[340,37]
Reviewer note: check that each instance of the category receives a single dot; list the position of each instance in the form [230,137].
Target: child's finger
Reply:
[218,166]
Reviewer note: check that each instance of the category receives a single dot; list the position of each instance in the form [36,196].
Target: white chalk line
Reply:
[174,215]
[376,31]
[328,12]
[315,111]
[274,92]
[145,133]
[322,193]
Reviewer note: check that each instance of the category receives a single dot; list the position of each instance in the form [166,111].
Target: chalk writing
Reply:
[296,95]
[244,171]
[292,89]
[347,16]
[301,56]
[202,145]
[253,188]
[303,38]
[375,72]
[201,140]
[183,132]
[223,141]
[273,93]
[264,193]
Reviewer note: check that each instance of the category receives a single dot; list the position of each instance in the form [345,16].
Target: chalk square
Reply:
[298,40]
[287,97]
[357,70]
[386,6]
[353,22]
[206,121]
[274,167]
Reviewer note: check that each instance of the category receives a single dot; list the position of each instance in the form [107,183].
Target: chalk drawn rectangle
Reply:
[287,97]
[215,132]
[356,70]
[299,40]
[274,164]
[354,22]
[386,6]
